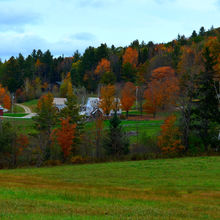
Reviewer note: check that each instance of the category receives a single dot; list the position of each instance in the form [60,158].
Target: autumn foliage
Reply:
[5,99]
[128,96]
[169,140]
[131,56]
[107,98]
[213,44]
[64,136]
[45,101]
[22,142]
[162,90]
[7,102]
[103,67]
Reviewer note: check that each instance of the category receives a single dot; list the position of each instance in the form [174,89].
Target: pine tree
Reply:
[206,117]
[116,143]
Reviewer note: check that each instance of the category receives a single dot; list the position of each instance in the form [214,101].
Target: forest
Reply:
[179,80]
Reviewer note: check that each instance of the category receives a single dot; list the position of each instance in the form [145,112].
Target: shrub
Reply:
[78,160]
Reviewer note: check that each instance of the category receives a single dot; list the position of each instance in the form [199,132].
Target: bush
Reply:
[78,160]
[52,163]
[196,145]
[146,144]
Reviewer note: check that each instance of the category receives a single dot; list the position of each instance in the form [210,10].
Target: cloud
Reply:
[11,19]
[11,44]
[84,36]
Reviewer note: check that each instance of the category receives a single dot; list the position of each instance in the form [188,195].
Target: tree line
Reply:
[182,76]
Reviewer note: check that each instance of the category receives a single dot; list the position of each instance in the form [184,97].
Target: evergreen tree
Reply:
[116,143]
[46,114]
[194,34]
[202,31]
[206,117]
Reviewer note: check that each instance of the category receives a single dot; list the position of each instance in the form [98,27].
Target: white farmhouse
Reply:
[92,108]
[59,103]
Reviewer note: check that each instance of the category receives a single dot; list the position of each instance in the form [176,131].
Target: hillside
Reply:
[187,188]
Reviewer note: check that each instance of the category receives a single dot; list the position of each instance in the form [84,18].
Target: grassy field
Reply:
[187,188]
[15,114]
[18,109]
[147,128]
[26,126]
[31,104]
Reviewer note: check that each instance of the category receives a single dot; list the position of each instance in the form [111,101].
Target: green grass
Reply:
[148,128]
[15,114]
[23,125]
[18,109]
[32,104]
[187,188]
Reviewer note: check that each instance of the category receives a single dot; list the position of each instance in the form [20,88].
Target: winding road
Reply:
[27,111]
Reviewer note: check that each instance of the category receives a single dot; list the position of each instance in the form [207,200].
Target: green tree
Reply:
[128,72]
[12,78]
[46,114]
[206,114]
[108,78]
[116,142]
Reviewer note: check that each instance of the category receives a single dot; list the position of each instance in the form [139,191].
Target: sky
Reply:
[63,26]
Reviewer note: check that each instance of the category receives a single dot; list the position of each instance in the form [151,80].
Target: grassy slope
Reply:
[26,126]
[15,114]
[18,109]
[187,188]
[32,104]
[149,128]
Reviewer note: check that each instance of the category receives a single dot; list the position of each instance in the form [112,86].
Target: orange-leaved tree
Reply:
[107,98]
[103,67]
[5,99]
[162,89]
[128,97]
[64,136]
[130,56]
[7,102]
[169,141]
[213,44]
[153,96]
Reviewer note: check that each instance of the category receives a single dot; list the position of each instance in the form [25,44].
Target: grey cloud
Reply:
[13,44]
[84,36]
[16,20]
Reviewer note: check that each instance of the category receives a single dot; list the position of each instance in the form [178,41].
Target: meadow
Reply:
[149,128]
[185,188]
[32,104]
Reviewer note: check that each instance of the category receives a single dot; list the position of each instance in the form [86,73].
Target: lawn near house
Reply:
[32,104]
[186,188]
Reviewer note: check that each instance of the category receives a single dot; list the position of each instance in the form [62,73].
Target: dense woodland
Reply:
[181,76]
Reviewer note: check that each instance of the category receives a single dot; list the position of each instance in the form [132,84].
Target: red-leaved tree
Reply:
[169,141]
[128,97]
[64,136]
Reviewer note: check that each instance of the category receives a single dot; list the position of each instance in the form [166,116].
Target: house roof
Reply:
[59,101]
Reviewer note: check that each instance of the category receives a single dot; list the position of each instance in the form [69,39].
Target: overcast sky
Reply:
[66,25]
